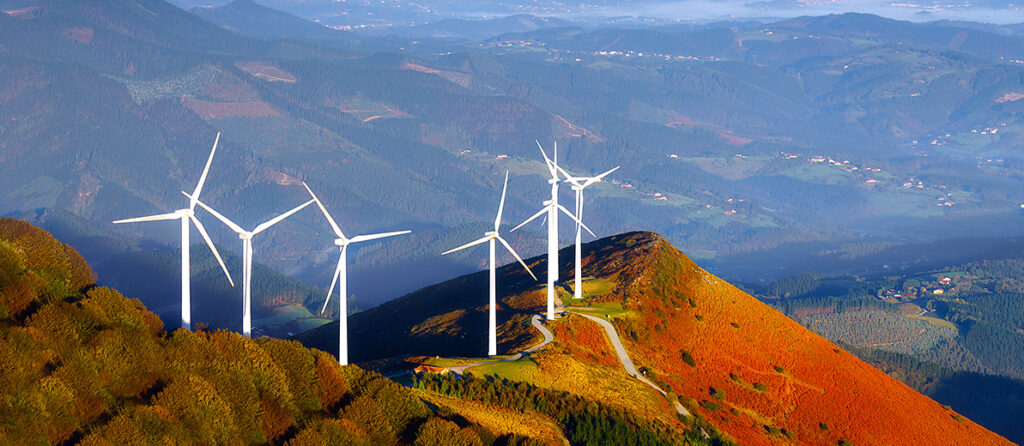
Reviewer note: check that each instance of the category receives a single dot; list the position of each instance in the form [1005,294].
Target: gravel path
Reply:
[627,362]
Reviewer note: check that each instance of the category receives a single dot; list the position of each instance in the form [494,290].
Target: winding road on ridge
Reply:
[535,321]
[627,362]
[613,337]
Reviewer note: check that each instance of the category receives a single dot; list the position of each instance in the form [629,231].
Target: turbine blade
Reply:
[566,211]
[514,254]
[334,281]
[202,232]
[568,177]
[363,238]
[551,168]
[172,216]
[222,218]
[598,178]
[467,245]
[202,178]
[337,230]
[542,211]
[501,207]
[263,226]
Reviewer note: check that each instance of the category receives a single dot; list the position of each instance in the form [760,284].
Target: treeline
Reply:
[998,348]
[830,304]
[795,286]
[584,422]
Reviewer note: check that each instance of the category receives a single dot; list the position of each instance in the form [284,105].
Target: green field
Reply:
[605,310]
[523,369]
[596,287]
[293,318]
[455,362]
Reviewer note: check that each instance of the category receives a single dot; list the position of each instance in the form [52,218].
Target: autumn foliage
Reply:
[81,364]
[754,373]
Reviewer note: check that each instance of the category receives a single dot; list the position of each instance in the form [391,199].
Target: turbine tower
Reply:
[186,215]
[491,236]
[246,237]
[578,184]
[340,275]
[551,207]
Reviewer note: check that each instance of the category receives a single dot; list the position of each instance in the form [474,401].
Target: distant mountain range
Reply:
[251,19]
[734,138]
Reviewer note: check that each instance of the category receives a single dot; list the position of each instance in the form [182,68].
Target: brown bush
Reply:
[331,387]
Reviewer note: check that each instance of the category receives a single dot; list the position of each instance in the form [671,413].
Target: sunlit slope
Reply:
[756,375]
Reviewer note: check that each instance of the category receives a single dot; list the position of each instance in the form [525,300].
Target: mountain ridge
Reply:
[754,373]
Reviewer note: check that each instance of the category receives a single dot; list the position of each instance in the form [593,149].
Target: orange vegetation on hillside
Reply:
[757,375]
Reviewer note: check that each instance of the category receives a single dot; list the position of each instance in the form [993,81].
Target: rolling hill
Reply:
[82,364]
[753,373]
[251,19]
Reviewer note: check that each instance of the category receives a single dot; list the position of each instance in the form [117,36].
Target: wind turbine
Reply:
[341,273]
[491,236]
[246,237]
[186,215]
[551,207]
[578,184]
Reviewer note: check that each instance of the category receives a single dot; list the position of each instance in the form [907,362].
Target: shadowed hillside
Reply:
[752,372]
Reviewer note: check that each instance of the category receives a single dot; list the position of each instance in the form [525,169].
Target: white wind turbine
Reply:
[578,184]
[246,237]
[551,207]
[187,215]
[340,275]
[491,236]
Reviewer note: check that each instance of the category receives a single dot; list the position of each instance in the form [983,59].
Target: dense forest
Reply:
[584,422]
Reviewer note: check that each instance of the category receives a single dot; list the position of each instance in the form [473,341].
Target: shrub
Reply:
[440,432]
[718,394]
[688,358]
[760,387]
[711,405]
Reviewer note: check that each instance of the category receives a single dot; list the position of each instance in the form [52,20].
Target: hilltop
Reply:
[753,373]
